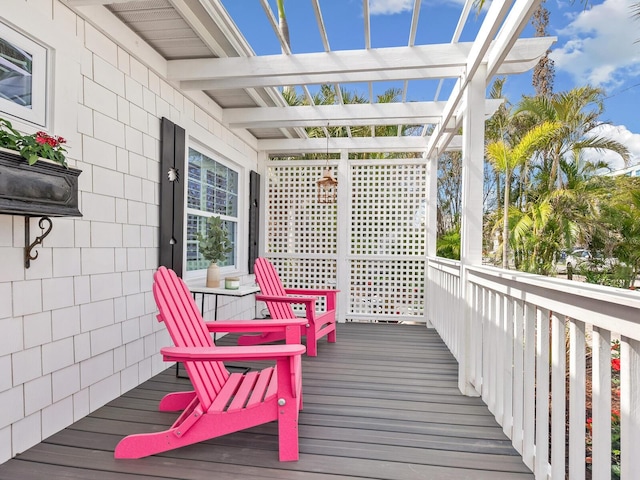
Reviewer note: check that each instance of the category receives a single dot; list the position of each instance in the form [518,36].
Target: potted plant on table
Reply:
[214,245]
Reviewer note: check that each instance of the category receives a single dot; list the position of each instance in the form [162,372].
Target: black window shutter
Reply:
[254,220]
[173,176]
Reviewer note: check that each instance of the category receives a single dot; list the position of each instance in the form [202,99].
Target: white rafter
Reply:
[377,64]
[412,41]
[352,114]
[508,30]
[285,47]
[356,144]
[327,48]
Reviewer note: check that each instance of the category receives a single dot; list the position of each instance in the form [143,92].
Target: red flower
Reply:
[615,364]
[61,140]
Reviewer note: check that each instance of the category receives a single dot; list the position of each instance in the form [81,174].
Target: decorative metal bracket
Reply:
[27,237]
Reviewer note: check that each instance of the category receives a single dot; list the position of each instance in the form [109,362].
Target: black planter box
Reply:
[41,189]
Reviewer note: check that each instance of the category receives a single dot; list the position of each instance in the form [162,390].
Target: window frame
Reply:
[41,58]
[240,240]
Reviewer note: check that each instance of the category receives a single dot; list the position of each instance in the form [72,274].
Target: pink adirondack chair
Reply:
[279,301]
[221,402]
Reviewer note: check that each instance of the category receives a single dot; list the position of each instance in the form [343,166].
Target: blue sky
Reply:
[598,45]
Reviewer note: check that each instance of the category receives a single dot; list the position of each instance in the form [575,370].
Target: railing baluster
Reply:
[558,396]
[500,346]
[629,407]
[487,335]
[601,404]
[542,394]
[507,369]
[528,441]
[577,399]
[518,377]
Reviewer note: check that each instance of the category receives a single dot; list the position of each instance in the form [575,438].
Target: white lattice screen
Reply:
[387,229]
[297,223]
[377,259]
[387,209]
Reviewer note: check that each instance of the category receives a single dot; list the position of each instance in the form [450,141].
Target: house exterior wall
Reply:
[78,328]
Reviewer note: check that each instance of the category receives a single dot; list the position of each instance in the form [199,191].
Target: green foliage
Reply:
[32,147]
[214,245]
[448,245]
[553,198]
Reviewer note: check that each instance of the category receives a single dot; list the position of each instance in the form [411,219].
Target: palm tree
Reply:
[577,111]
[507,158]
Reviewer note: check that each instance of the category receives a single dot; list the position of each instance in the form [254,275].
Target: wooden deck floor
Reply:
[382,403]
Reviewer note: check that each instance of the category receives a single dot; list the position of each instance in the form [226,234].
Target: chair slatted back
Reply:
[186,327]
[270,284]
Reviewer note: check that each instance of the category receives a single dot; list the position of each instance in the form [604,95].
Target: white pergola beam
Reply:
[343,115]
[295,146]
[488,29]
[381,64]
[508,34]
[480,50]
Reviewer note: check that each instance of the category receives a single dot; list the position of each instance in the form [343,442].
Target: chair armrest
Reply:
[273,298]
[330,294]
[308,291]
[236,326]
[222,354]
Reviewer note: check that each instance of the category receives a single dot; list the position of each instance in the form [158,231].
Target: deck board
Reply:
[381,403]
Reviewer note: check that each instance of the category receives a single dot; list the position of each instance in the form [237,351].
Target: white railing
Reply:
[539,352]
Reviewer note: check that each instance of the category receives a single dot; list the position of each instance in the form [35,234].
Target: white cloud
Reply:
[621,134]
[389,7]
[600,48]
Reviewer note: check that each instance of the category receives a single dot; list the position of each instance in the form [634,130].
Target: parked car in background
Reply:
[582,257]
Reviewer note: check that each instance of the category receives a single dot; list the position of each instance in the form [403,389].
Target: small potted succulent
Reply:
[214,245]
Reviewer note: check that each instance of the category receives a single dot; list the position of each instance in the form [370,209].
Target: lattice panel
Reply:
[306,273]
[297,223]
[388,209]
[387,287]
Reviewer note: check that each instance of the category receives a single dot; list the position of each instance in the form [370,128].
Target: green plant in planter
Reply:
[214,244]
[32,147]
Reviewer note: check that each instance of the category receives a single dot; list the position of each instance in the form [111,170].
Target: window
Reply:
[23,67]
[212,189]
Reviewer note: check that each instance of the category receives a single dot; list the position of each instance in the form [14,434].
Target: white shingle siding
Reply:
[27,297]
[37,329]
[65,322]
[57,293]
[65,382]
[57,355]
[27,365]
[103,391]
[37,394]
[12,402]
[56,416]
[5,366]
[25,433]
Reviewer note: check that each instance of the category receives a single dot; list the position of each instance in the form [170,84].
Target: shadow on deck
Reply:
[382,403]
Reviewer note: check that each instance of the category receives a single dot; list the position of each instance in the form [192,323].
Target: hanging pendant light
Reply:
[327,186]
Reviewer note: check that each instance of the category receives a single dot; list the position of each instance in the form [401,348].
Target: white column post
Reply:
[471,222]
[431,224]
[343,247]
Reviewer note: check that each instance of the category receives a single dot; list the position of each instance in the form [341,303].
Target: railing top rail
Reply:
[613,309]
